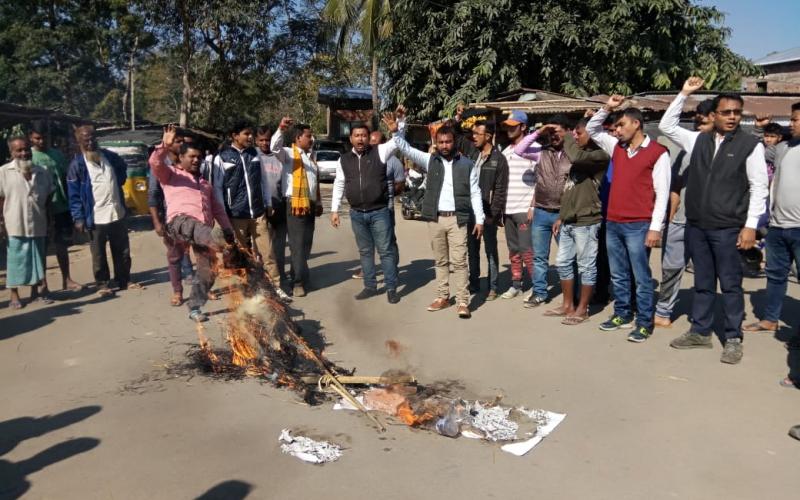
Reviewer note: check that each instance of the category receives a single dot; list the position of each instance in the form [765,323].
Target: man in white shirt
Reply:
[726,194]
[637,205]
[452,195]
[94,181]
[301,190]
[26,191]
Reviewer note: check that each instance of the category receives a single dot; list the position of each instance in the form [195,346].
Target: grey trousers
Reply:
[673,263]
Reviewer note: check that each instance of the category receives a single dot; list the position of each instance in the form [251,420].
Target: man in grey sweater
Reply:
[783,237]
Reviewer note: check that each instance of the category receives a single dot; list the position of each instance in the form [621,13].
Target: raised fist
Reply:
[693,84]
[615,101]
[286,122]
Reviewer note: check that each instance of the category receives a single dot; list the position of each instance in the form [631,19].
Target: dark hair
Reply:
[298,130]
[773,128]
[582,122]
[186,146]
[796,107]
[446,131]
[705,108]
[612,118]
[36,130]
[727,95]
[264,130]
[239,126]
[488,126]
[560,120]
[357,126]
[633,114]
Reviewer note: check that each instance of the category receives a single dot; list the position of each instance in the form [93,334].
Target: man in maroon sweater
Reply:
[636,208]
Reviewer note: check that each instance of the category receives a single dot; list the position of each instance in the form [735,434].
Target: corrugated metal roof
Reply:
[785,56]
[346,92]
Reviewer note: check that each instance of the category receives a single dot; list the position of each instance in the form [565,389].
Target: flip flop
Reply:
[74,288]
[175,301]
[757,328]
[789,383]
[135,286]
[105,292]
[574,320]
[44,299]
[15,305]
[555,313]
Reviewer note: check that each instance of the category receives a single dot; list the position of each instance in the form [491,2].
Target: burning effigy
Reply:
[264,341]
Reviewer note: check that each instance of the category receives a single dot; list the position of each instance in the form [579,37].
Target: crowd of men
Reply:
[602,189]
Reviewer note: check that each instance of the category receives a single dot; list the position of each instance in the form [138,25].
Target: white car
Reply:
[327,161]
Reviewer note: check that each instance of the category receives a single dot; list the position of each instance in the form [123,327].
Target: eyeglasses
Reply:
[730,112]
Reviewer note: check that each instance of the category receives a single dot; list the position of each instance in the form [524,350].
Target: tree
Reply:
[368,20]
[57,53]
[443,54]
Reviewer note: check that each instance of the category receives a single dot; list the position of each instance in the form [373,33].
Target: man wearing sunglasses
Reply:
[725,196]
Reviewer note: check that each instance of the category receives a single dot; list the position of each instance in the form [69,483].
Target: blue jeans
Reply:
[541,233]
[373,231]
[578,243]
[626,250]
[716,259]
[783,246]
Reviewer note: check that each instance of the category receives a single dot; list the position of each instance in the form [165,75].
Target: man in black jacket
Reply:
[726,194]
[452,196]
[237,183]
[361,176]
[493,180]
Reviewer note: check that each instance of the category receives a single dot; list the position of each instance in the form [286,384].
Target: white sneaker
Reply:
[282,295]
[510,293]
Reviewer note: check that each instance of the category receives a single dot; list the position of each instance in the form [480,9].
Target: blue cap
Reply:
[516,117]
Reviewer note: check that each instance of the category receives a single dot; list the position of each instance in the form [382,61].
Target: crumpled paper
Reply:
[494,423]
[307,449]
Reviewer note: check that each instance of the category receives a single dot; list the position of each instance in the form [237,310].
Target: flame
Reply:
[407,415]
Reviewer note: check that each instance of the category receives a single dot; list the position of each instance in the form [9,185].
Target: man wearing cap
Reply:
[519,201]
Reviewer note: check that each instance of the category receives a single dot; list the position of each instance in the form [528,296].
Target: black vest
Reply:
[241,183]
[462,167]
[718,191]
[365,183]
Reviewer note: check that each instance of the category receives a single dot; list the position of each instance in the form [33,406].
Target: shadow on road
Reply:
[227,490]
[415,275]
[14,475]
[29,320]
[331,274]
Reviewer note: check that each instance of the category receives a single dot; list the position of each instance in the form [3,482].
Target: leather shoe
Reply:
[463,311]
[392,297]
[439,304]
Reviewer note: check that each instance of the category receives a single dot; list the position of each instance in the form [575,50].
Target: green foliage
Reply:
[470,50]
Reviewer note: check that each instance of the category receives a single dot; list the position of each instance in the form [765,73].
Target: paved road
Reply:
[88,408]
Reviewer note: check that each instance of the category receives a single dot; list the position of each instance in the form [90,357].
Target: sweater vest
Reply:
[462,167]
[632,197]
[365,182]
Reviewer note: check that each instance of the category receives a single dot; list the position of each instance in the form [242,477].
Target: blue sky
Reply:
[760,26]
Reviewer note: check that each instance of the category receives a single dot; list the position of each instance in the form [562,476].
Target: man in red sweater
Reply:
[636,208]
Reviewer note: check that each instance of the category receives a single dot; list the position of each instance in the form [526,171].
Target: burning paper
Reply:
[494,423]
[309,450]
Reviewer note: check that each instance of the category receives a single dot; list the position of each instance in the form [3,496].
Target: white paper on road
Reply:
[307,449]
[522,447]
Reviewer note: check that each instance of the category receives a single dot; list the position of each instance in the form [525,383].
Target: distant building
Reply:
[781,73]
[346,106]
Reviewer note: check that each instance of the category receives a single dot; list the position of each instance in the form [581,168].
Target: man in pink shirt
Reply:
[192,209]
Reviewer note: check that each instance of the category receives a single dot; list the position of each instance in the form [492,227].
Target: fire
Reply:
[407,415]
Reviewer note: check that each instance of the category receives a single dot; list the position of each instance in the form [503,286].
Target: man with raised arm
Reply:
[451,197]
[362,176]
[726,194]
[192,209]
[636,208]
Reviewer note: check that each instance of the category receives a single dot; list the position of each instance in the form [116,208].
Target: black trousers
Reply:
[193,232]
[115,235]
[300,230]
[716,258]
[277,226]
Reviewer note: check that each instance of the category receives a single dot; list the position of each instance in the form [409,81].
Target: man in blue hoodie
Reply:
[97,204]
